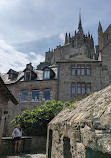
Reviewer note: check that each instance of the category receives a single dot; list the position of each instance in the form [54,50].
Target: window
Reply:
[81,88]
[88,70]
[88,88]
[80,69]
[24,95]
[27,76]
[73,88]
[107,37]
[10,76]
[46,94]
[35,95]
[73,70]
[47,74]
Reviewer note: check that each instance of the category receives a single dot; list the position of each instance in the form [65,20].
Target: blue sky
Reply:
[29,27]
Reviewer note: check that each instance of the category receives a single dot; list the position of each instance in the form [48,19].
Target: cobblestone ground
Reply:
[26,156]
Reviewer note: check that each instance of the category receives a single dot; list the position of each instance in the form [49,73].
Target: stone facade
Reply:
[5,96]
[76,70]
[79,44]
[82,130]
[29,104]
[66,79]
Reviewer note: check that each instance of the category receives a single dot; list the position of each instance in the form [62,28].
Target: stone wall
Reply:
[106,56]
[82,130]
[65,80]
[29,144]
[104,37]
[3,107]
[14,110]
[64,52]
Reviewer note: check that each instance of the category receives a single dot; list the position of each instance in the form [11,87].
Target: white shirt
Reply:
[16,133]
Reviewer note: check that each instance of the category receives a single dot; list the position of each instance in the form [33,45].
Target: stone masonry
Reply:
[82,130]
[76,70]
[5,96]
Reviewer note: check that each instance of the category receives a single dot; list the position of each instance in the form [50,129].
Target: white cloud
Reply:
[62,37]
[11,58]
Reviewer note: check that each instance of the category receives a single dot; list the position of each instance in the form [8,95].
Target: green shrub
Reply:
[34,122]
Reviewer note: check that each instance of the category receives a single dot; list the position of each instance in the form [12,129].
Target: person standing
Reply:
[16,136]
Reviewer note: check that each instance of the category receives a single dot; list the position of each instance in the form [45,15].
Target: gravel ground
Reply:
[26,156]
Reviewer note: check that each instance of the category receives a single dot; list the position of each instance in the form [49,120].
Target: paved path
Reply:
[26,156]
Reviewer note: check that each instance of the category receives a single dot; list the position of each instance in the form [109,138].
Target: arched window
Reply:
[46,94]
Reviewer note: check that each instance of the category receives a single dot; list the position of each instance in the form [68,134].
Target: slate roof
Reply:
[4,90]
[79,58]
[20,77]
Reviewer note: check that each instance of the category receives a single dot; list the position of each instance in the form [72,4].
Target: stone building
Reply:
[31,88]
[82,130]
[5,97]
[76,69]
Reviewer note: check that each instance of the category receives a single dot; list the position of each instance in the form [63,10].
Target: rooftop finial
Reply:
[80,23]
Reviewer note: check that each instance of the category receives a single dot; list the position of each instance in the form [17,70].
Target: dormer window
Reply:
[12,74]
[29,73]
[46,74]
[27,76]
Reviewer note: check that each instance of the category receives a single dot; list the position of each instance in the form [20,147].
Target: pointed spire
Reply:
[66,38]
[80,23]
[69,35]
[75,32]
[88,34]
[91,36]
[99,27]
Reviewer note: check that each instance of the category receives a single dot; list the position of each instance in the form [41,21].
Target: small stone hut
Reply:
[5,96]
[82,130]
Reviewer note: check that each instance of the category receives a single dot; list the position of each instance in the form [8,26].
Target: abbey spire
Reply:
[80,23]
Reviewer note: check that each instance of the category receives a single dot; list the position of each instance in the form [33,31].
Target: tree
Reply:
[34,122]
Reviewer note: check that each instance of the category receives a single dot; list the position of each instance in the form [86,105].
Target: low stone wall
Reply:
[28,145]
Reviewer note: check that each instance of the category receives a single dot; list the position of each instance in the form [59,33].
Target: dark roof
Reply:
[6,92]
[46,67]
[12,71]
[42,66]
[79,59]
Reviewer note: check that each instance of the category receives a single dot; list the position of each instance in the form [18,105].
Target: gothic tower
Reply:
[100,36]
[80,24]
